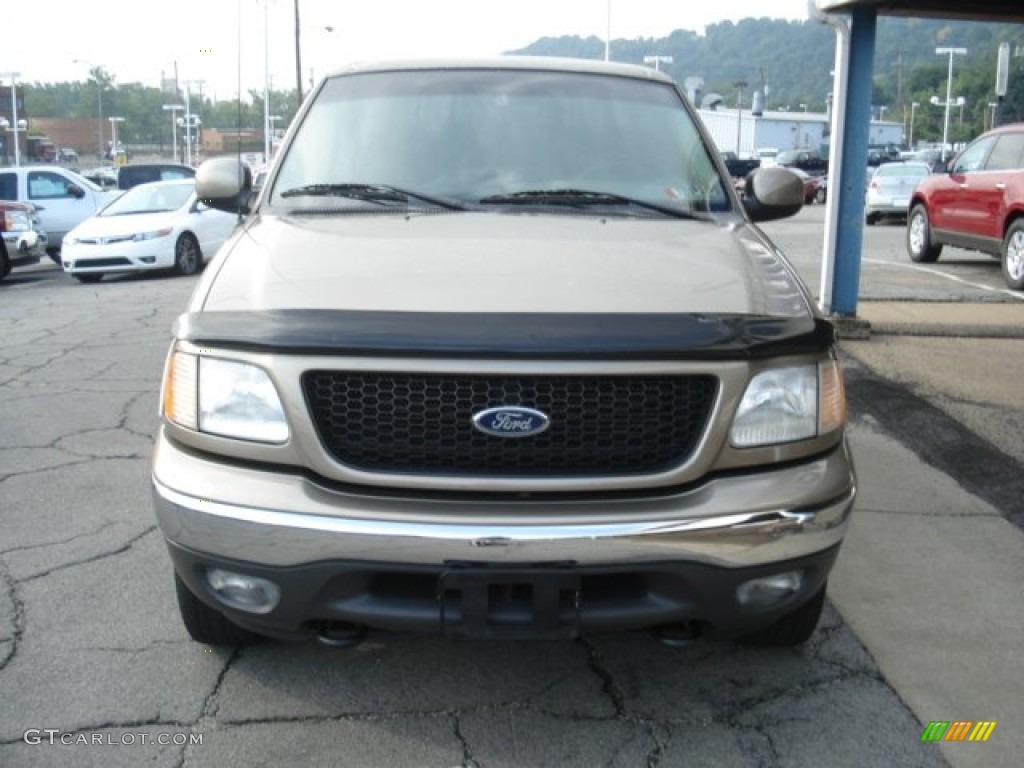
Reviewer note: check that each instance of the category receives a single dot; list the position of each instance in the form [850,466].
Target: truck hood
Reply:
[500,263]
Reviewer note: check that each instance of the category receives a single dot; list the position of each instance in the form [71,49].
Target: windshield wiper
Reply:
[581,198]
[373,193]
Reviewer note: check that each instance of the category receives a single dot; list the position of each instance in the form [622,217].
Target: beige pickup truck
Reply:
[498,352]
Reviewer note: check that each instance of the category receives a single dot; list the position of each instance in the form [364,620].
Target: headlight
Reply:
[152,235]
[223,397]
[782,405]
[16,221]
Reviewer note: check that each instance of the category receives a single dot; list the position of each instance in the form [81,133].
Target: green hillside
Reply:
[794,60]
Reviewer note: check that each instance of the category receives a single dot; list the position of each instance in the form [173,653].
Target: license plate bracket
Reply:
[510,603]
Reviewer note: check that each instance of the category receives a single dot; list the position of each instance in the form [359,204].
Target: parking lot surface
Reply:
[96,670]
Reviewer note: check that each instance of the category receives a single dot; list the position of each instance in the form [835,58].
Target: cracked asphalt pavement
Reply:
[92,651]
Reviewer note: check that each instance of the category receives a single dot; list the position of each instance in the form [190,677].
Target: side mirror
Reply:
[225,183]
[772,193]
[75,191]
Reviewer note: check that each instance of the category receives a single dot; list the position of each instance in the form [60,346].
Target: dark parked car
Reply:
[930,157]
[499,354]
[738,167]
[129,176]
[808,160]
[879,154]
[977,204]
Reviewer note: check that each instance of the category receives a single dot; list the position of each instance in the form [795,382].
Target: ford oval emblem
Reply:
[511,421]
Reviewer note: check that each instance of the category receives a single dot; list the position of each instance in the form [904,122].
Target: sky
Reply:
[213,40]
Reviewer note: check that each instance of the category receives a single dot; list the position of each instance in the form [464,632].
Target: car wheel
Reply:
[5,262]
[187,256]
[1013,256]
[871,219]
[90,277]
[54,254]
[206,625]
[819,196]
[919,237]
[793,628]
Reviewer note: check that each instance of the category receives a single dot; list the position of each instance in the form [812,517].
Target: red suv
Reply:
[977,204]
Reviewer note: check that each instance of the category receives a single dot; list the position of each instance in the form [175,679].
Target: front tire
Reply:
[920,247]
[187,256]
[5,262]
[1013,256]
[206,625]
[792,629]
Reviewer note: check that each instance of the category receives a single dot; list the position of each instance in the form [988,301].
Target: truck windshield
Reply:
[482,135]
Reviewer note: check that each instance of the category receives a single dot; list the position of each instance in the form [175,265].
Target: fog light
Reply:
[148,259]
[246,593]
[767,591]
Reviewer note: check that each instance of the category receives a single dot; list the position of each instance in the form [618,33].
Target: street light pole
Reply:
[188,124]
[173,109]
[113,134]
[608,33]
[949,90]
[266,83]
[913,108]
[14,115]
[739,85]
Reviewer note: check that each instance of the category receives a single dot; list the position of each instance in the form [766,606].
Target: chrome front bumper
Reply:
[274,518]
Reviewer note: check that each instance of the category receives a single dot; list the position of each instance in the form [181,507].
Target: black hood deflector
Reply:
[551,336]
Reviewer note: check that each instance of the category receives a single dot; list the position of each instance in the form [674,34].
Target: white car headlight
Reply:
[152,235]
[782,405]
[223,397]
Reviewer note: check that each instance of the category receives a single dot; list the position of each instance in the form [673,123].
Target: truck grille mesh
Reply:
[422,423]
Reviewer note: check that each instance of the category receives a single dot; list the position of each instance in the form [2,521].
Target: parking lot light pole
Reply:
[113,133]
[739,85]
[949,90]
[173,109]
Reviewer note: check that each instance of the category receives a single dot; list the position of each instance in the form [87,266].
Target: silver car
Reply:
[498,352]
[890,188]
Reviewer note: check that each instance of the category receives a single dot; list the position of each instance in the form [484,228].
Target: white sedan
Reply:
[161,225]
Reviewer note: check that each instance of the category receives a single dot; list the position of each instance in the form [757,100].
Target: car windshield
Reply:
[473,138]
[150,198]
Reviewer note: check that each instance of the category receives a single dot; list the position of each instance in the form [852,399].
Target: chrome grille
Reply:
[423,423]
